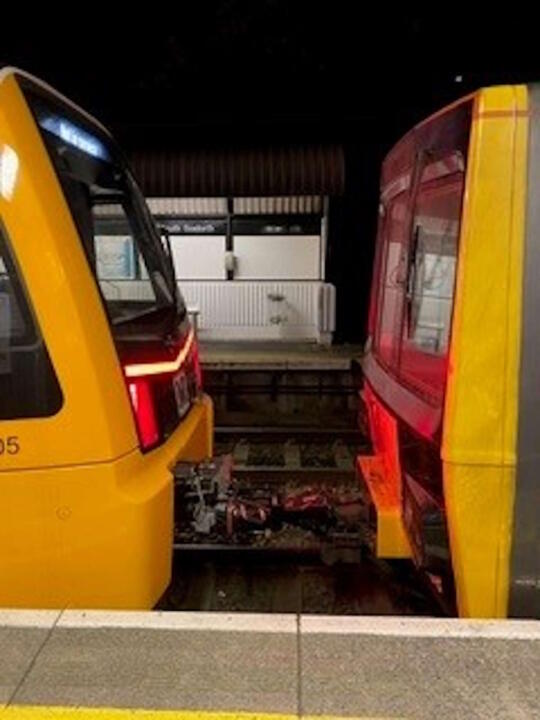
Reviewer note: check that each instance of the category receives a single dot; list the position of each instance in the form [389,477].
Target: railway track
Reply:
[273,453]
[283,530]
[283,490]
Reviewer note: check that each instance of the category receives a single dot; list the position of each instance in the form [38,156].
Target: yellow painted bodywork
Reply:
[480,417]
[86,518]
[96,535]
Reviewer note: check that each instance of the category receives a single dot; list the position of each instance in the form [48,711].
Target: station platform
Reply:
[212,666]
[278,356]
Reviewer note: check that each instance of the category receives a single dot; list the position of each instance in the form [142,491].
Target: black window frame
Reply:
[32,339]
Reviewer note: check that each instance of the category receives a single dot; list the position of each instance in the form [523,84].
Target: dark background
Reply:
[199,74]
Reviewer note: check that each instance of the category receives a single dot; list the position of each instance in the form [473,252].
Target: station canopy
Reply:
[277,171]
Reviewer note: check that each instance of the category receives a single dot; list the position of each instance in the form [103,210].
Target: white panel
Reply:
[280,257]
[199,257]
[262,310]
[251,310]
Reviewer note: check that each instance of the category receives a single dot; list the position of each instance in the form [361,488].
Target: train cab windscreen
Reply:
[129,260]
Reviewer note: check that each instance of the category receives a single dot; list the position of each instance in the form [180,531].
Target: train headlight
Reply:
[9,170]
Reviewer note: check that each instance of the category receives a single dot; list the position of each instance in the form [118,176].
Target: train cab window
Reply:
[431,274]
[28,384]
[126,256]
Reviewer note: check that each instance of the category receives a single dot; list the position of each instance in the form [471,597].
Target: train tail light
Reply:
[142,403]
[162,388]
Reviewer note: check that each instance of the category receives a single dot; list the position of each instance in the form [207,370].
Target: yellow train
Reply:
[100,389]
[452,368]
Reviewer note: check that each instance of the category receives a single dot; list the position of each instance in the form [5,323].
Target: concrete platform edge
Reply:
[274,623]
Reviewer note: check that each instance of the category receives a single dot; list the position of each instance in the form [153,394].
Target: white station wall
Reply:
[277,257]
[199,257]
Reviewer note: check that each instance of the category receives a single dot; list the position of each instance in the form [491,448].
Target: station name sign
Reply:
[204,226]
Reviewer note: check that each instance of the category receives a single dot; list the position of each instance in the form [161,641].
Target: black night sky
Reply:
[272,71]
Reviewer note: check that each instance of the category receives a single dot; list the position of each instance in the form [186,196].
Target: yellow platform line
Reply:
[45,712]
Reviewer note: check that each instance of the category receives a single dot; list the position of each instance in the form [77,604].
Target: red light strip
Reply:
[158,368]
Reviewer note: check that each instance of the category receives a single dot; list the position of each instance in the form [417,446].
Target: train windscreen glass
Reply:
[127,256]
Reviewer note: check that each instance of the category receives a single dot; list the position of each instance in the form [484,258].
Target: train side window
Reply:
[28,383]
[391,278]
[431,276]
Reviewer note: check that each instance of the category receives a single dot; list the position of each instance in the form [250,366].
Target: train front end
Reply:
[451,383]
[99,370]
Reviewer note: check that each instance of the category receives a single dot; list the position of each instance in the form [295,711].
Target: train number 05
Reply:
[9,445]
